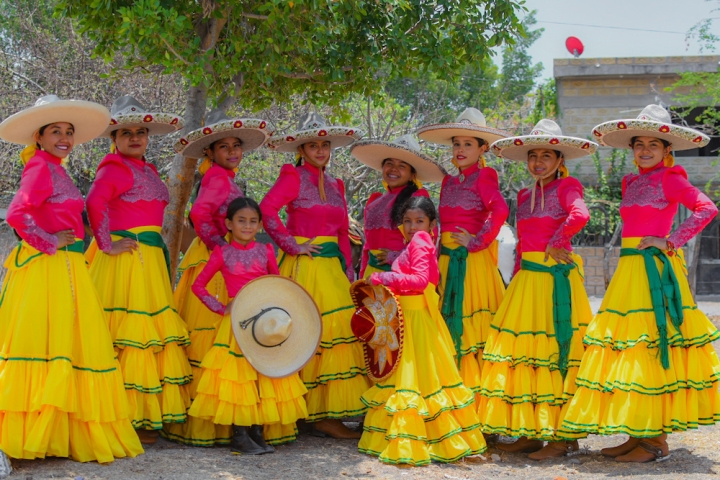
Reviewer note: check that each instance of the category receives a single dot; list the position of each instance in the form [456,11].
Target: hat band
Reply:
[253,320]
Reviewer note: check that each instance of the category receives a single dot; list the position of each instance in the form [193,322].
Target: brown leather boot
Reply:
[147,437]
[522,445]
[335,429]
[623,449]
[555,449]
[647,450]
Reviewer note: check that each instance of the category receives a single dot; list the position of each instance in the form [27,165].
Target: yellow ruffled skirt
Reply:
[336,376]
[201,323]
[149,335]
[61,389]
[423,412]
[484,291]
[622,386]
[523,391]
[231,392]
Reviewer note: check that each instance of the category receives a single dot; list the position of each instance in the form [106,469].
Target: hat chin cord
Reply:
[539,179]
[253,320]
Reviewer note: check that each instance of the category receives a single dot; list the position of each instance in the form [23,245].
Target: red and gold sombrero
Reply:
[378,323]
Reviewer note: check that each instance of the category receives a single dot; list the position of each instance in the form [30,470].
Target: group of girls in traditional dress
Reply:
[476,360]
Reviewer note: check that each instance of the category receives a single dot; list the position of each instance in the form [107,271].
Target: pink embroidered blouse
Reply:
[307,215]
[472,200]
[238,265]
[650,201]
[414,268]
[126,193]
[217,190]
[46,203]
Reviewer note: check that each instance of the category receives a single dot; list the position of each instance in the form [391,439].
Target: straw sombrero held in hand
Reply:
[374,152]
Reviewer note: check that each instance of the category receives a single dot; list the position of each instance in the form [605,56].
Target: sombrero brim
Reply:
[443,133]
[517,148]
[156,123]
[337,136]
[293,354]
[253,132]
[88,118]
[618,134]
[373,152]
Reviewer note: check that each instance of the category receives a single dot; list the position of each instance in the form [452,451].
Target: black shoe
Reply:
[256,434]
[242,443]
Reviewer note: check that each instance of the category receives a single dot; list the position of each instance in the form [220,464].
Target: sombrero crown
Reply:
[545,134]
[313,127]
[127,112]
[373,152]
[653,121]
[470,123]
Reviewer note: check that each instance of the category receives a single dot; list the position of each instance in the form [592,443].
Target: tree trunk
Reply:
[180,178]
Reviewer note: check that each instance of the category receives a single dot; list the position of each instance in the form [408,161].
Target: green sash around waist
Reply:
[151,239]
[664,293]
[454,294]
[77,247]
[329,250]
[562,306]
[373,262]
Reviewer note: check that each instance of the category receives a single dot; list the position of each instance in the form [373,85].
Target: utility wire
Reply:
[615,28]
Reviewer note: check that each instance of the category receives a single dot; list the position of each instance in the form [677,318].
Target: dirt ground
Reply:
[694,454]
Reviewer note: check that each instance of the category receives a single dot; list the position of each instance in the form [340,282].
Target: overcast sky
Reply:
[664,15]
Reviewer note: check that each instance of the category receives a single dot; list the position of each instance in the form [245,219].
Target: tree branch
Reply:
[20,75]
[172,50]
[227,99]
[254,15]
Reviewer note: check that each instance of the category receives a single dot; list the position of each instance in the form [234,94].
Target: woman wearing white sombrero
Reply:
[129,264]
[472,210]
[403,167]
[221,144]
[533,351]
[650,368]
[67,397]
[316,253]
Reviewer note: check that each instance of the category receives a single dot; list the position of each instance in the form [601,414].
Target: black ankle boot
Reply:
[242,443]
[256,434]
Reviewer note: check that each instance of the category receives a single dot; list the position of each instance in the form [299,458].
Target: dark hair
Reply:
[665,142]
[41,131]
[395,212]
[420,203]
[113,134]
[481,141]
[240,203]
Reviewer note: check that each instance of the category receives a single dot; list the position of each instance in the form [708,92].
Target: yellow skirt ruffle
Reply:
[523,391]
[231,392]
[423,412]
[336,376]
[62,391]
[201,323]
[622,386]
[484,291]
[149,335]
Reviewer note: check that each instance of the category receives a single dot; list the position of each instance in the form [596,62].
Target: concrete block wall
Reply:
[593,266]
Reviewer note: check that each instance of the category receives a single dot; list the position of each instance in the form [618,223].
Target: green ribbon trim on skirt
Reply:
[329,250]
[664,293]
[562,306]
[151,239]
[373,262]
[454,294]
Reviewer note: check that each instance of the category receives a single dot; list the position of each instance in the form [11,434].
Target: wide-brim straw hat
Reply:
[545,134]
[653,121]
[312,127]
[252,132]
[277,325]
[127,112]
[88,118]
[373,152]
[470,123]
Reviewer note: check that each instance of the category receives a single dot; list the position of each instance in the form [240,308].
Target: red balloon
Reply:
[574,46]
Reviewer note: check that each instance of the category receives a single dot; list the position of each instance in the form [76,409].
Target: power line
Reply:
[615,28]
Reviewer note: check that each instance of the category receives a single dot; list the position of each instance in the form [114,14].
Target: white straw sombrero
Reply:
[470,123]
[312,127]
[126,112]
[253,132]
[373,152]
[88,118]
[276,324]
[545,134]
[653,121]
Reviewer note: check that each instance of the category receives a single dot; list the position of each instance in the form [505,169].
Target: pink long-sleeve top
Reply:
[472,200]
[126,193]
[380,232]
[307,215]
[238,265]
[650,201]
[217,190]
[46,203]
[414,268]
